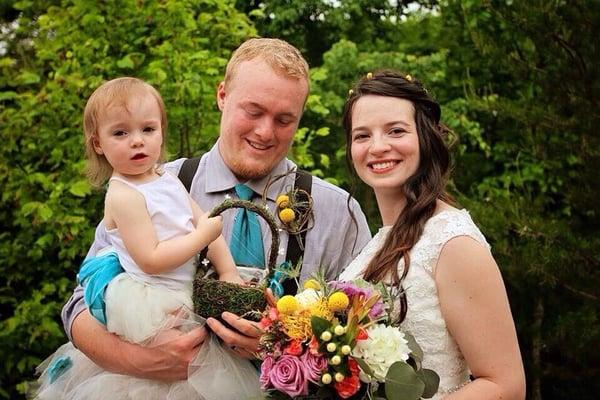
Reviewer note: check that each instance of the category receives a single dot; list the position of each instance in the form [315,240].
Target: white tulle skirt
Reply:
[151,316]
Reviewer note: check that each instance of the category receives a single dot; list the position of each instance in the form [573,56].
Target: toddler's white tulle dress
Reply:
[151,310]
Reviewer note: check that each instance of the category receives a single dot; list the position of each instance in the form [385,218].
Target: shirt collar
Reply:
[219,177]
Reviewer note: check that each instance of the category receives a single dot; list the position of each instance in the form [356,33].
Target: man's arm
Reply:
[166,362]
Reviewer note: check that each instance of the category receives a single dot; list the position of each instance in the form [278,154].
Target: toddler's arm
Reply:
[127,209]
[218,251]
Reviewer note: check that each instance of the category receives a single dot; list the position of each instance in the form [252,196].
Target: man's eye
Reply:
[284,121]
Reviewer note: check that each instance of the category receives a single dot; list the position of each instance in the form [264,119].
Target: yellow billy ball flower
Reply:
[339,377]
[336,360]
[331,347]
[287,304]
[346,349]
[326,378]
[338,301]
[283,200]
[326,336]
[339,330]
[312,284]
[287,215]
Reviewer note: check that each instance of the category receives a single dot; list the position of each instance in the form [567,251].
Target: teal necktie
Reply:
[246,238]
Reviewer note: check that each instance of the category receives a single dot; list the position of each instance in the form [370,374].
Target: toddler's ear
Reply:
[96,144]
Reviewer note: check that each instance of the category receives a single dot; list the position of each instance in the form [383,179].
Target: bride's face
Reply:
[384,142]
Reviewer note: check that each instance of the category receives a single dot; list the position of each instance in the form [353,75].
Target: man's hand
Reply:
[166,362]
[243,340]
[169,361]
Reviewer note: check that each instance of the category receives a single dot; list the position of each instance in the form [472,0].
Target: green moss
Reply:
[213,297]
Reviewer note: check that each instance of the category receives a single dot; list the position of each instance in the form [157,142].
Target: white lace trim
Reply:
[424,318]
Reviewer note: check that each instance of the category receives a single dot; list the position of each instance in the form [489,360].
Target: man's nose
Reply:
[265,129]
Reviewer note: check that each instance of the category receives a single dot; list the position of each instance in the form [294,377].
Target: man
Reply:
[261,99]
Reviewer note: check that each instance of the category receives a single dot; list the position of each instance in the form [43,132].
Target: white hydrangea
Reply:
[307,298]
[385,346]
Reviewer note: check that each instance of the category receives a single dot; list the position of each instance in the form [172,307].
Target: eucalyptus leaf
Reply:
[414,347]
[402,383]
[431,380]
[364,366]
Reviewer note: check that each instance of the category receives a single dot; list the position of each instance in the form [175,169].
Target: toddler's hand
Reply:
[212,227]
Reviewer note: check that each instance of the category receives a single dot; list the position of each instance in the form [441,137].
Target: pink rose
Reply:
[287,376]
[265,370]
[313,366]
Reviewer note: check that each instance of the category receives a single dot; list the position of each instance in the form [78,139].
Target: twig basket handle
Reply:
[266,215]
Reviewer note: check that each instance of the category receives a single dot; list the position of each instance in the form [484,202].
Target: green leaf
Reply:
[324,131]
[431,380]
[80,188]
[364,366]
[45,212]
[319,325]
[415,349]
[28,78]
[402,383]
[125,62]
[7,95]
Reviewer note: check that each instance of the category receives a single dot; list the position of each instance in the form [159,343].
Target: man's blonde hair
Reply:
[281,56]
[116,92]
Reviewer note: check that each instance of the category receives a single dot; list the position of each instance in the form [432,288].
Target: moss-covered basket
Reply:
[212,297]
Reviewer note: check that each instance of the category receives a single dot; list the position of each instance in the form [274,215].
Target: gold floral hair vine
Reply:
[369,75]
[408,78]
[350,92]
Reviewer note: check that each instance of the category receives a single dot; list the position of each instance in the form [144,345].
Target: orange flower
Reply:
[294,348]
[362,334]
[349,386]
[313,346]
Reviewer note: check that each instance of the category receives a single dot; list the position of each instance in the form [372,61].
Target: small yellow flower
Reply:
[338,301]
[339,377]
[312,284]
[283,201]
[346,349]
[326,336]
[287,304]
[336,360]
[326,379]
[287,215]
[339,330]
[331,347]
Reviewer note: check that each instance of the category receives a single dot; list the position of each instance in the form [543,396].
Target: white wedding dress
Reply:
[424,318]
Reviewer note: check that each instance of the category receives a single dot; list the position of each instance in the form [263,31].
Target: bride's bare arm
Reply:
[475,307]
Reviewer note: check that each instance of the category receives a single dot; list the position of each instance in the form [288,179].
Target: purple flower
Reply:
[353,290]
[265,370]
[313,366]
[287,376]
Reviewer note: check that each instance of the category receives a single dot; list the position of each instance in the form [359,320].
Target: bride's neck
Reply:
[390,206]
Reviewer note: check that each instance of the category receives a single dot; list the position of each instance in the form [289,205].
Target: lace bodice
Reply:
[424,318]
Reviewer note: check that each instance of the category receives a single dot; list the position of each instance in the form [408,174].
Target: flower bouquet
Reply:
[335,340]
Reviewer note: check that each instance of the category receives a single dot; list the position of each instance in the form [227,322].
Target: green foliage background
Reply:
[518,83]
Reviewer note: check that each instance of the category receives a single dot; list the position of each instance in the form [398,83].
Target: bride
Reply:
[454,302]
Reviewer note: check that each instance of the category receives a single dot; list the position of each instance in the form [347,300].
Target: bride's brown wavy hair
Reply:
[423,188]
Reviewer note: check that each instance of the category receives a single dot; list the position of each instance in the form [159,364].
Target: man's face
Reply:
[260,114]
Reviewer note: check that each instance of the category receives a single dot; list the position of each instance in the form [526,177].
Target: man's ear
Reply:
[221,95]
[96,144]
